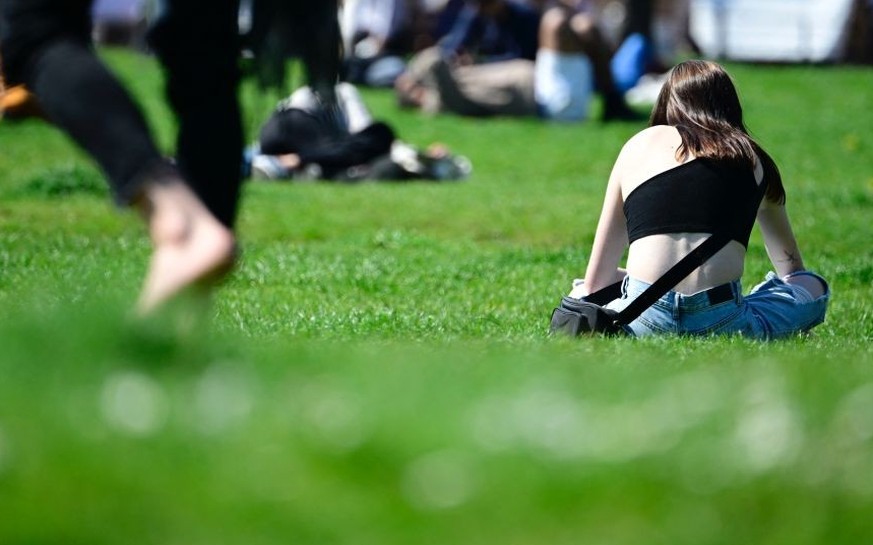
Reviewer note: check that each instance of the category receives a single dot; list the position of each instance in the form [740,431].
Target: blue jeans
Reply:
[773,309]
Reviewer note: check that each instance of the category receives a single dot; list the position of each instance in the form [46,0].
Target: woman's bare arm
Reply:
[610,238]
[779,238]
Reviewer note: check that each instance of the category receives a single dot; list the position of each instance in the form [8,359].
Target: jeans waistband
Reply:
[723,293]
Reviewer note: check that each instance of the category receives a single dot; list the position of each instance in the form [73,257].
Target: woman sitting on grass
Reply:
[693,172]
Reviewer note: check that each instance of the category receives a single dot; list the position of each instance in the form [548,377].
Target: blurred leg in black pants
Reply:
[46,45]
[304,29]
[315,28]
[198,44]
[307,30]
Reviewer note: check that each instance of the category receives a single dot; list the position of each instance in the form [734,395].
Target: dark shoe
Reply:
[624,113]
[616,109]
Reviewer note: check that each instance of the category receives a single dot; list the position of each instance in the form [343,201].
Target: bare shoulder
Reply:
[656,137]
[647,153]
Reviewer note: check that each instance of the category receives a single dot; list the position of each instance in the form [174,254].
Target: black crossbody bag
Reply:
[587,316]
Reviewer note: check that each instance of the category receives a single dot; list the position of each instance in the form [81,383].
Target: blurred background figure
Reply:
[503,88]
[120,23]
[16,102]
[433,19]
[571,46]
[503,57]
[189,205]
[492,30]
[294,145]
[865,32]
[377,35]
[275,31]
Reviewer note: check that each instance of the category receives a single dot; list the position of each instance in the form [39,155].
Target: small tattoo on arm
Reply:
[790,257]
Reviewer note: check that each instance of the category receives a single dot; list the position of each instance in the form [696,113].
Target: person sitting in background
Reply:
[504,88]
[434,18]
[295,144]
[551,75]
[490,31]
[572,50]
[694,172]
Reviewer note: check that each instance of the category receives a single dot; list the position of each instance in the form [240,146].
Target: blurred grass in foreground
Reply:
[113,433]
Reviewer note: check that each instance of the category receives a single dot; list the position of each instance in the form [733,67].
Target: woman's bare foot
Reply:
[191,247]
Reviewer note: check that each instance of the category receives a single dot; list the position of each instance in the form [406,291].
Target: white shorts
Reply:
[563,84]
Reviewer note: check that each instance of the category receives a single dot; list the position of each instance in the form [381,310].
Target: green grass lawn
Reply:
[377,371]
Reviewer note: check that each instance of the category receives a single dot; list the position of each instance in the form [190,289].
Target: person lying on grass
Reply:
[296,143]
[695,171]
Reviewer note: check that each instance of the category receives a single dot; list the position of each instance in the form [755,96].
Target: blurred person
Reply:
[16,102]
[380,35]
[189,205]
[430,20]
[119,22]
[447,12]
[304,29]
[294,145]
[492,30]
[652,36]
[635,54]
[570,46]
[539,5]
[694,172]
[570,60]
[860,42]
[504,88]
[483,64]
[564,42]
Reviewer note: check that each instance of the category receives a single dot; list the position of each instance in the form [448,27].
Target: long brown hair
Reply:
[700,100]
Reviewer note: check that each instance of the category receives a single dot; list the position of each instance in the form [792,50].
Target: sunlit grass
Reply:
[378,370]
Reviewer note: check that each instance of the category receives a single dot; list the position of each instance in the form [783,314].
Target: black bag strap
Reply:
[673,276]
[680,270]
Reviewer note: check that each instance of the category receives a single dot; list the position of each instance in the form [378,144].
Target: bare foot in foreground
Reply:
[191,247]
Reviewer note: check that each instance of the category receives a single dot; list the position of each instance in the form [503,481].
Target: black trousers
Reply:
[46,45]
[304,29]
[296,131]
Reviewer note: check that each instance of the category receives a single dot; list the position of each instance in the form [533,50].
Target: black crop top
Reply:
[700,196]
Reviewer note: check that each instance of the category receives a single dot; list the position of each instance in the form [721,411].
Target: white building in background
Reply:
[773,30]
